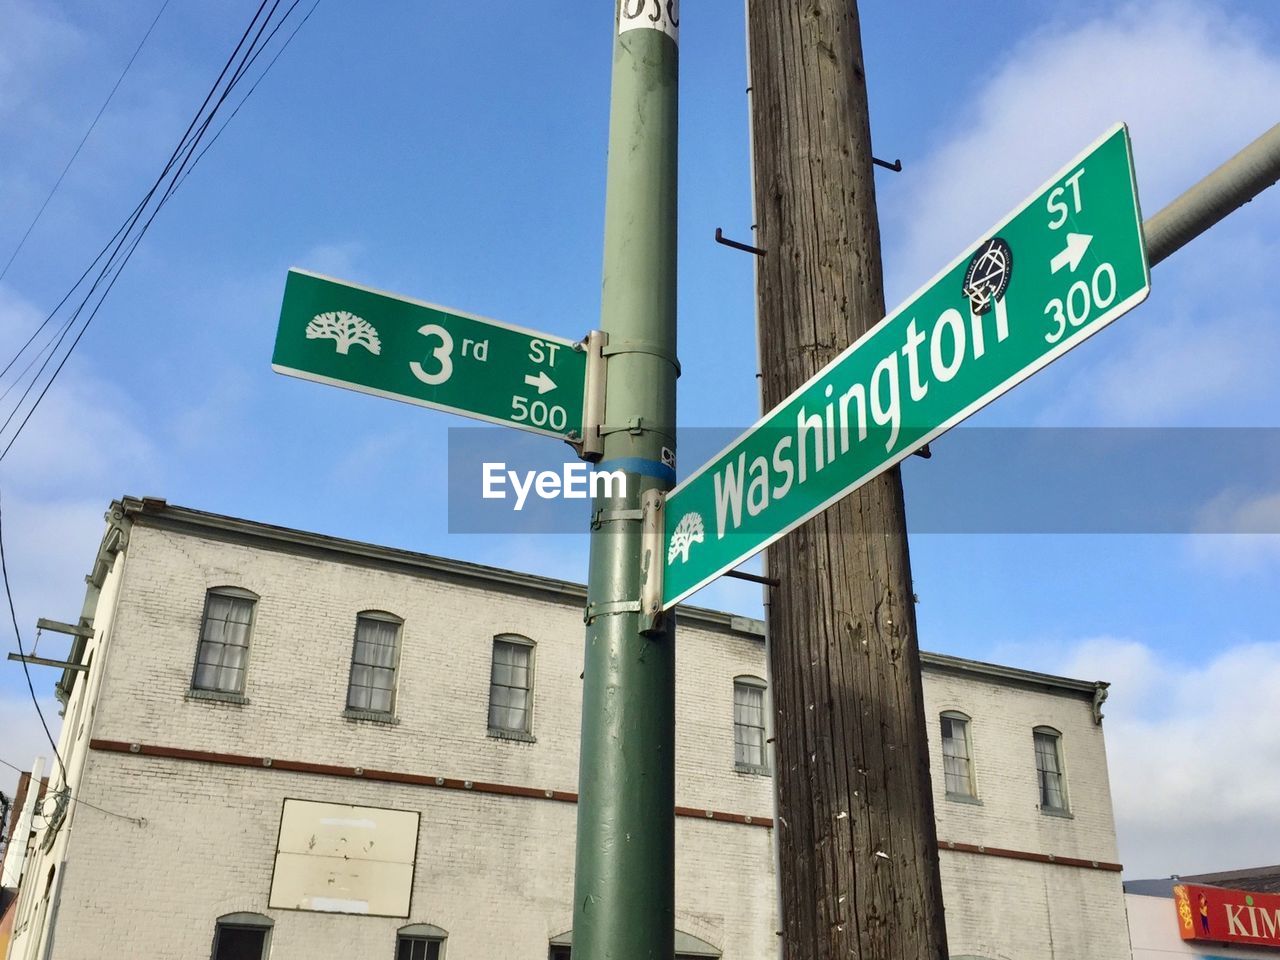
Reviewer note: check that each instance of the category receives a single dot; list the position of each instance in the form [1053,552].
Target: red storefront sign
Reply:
[1215,915]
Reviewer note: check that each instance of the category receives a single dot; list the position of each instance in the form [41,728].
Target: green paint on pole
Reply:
[1063,265]
[624,883]
[350,336]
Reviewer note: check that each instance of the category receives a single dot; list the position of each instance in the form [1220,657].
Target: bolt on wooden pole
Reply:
[858,854]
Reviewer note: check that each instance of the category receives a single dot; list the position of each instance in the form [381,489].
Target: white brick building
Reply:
[221,709]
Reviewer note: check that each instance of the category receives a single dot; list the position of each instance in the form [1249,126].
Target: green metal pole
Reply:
[624,886]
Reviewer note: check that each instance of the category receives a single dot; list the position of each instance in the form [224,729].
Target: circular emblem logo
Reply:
[987,277]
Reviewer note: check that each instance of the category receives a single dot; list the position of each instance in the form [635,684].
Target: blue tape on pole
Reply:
[646,468]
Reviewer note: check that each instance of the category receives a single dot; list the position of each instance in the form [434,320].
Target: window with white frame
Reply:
[420,941]
[957,755]
[748,725]
[223,651]
[1049,772]
[372,685]
[511,685]
[241,936]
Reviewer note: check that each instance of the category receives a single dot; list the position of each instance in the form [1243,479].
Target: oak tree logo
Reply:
[687,532]
[346,329]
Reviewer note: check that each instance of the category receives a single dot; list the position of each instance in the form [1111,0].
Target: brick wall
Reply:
[296,681]
[1002,717]
[495,871]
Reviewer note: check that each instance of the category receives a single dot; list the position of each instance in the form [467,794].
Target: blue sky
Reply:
[455,153]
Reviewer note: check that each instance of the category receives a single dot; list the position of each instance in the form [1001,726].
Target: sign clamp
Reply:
[590,445]
[601,517]
[653,505]
[594,610]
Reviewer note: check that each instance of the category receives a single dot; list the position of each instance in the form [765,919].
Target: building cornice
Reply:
[158,513]
[1093,690]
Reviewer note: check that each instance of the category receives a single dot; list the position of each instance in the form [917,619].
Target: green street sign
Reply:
[350,336]
[1059,268]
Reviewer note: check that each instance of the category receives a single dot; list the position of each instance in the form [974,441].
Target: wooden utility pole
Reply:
[857,841]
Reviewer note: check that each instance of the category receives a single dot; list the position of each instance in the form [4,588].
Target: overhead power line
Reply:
[79,146]
[48,344]
[140,821]
[26,669]
[85,297]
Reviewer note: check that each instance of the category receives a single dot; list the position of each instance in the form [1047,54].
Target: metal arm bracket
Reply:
[57,626]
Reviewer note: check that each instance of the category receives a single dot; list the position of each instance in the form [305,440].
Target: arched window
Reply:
[511,687]
[375,657]
[750,752]
[420,941]
[222,654]
[957,755]
[1050,771]
[241,936]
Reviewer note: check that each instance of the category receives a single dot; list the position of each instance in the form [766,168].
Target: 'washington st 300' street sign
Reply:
[351,336]
[1059,268]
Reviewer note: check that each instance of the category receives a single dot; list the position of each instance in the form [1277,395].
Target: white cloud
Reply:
[83,436]
[85,429]
[83,440]
[49,547]
[23,738]
[339,259]
[1194,757]
[1241,532]
[1162,67]
[1165,68]
[33,39]
[1179,367]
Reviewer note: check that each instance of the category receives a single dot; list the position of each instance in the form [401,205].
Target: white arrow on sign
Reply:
[1073,252]
[541,381]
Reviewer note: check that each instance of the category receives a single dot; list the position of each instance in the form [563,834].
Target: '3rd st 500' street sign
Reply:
[350,336]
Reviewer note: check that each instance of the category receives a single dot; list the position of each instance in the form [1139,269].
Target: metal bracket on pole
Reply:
[643,346]
[722,239]
[653,505]
[594,610]
[601,517]
[590,445]
[634,426]
[753,578]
